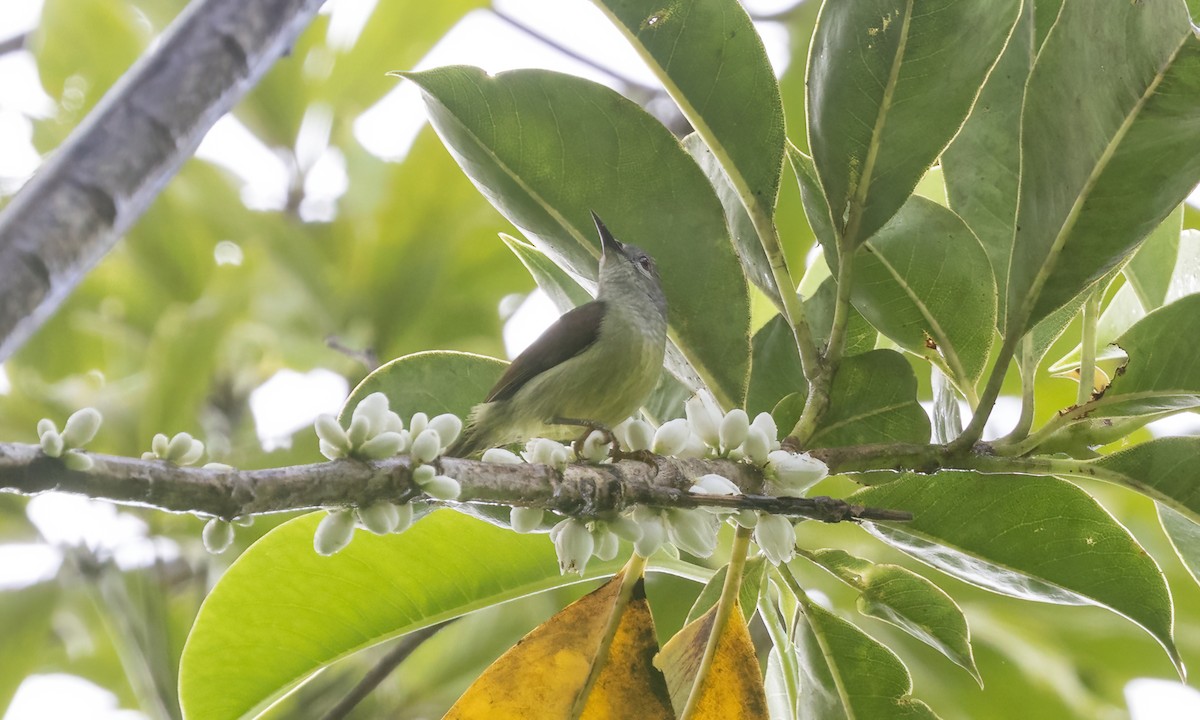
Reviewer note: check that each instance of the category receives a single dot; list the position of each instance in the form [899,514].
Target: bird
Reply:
[593,368]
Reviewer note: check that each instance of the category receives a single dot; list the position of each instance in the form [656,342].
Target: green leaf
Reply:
[873,399]
[982,166]
[889,84]
[1142,126]
[925,282]
[741,225]
[1150,269]
[430,382]
[775,370]
[860,336]
[1165,469]
[510,134]
[815,206]
[752,579]
[562,289]
[846,673]
[1185,538]
[781,681]
[1163,371]
[25,616]
[1037,538]
[1118,316]
[281,612]
[903,598]
[711,60]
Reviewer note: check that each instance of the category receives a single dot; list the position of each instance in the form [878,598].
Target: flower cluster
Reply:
[180,449]
[81,427]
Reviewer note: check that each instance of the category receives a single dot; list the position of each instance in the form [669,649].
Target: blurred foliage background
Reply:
[171,332]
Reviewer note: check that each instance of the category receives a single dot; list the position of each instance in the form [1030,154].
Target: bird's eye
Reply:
[646,263]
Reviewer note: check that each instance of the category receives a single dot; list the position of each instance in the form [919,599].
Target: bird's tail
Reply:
[475,437]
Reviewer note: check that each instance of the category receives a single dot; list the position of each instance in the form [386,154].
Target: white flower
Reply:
[501,456]
[373,409]
[384,445]
[693,530]
[81,427]
[607,542]
[217,536]
[596,447]
[404,517]
[526,519]
[704,419]
[793,474]
[653,531]
[733,429]
[574,544]
[426,446]
[777,538]
[334,532]
[671,437]
[712,484]
[380,518]
[756,446]
[418,423]
[638,435]
[448,427]
[764,422]
[442,487]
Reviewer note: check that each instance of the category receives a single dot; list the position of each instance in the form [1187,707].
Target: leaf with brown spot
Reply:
[733,686]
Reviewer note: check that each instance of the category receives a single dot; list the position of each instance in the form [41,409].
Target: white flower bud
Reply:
[404,517]
[777,538]
[442,487]
[217,536]
[704,420]
[733,429]
[194,451]
[540,451]
[793,473]
[77,461]
[383,445]
[219,466]
[448,427]
[373,409]
[392,422]
[560,455]
[330,451]
[330,432]
[596,447]
[653,530]
[418,423]
[149,456]
[671,436]
[380,518]
[52,443]
[574,544]
[159,445]
[501,456]
[179,446]
[423,474]
[639,435]
[764,422]
[747,518]
[81,427]
[359,430]
[712,484]
[693,530]
[426,446]
[694,447]
[334,532]
[607,542]
[46,425]
[526,519]
[756,446]
[626,528]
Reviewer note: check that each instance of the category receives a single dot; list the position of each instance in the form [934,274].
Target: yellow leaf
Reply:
[543,674]
[733,685]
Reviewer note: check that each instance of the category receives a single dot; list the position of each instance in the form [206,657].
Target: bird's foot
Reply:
[589,426]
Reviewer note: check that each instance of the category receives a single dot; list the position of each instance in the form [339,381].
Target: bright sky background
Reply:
[290,400]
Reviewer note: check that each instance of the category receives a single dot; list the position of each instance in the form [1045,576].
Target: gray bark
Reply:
[94,187]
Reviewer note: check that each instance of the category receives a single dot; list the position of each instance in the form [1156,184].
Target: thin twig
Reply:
[382,669]
[13,43]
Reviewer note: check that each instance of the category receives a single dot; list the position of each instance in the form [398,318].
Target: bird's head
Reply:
[627,268]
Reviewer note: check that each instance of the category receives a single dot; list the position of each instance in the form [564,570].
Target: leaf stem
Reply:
[1028,375]
[631,575]
[725,607]
[987,401]
[1087,359]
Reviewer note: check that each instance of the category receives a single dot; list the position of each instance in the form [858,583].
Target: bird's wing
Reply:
[570,335]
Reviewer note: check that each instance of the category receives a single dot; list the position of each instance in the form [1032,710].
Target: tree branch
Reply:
[581,490]
[114,164]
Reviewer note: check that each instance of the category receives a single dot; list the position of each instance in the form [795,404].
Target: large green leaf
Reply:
[983,165]
[711,60]
[1185,538]
[1150,269]
[847,674]
[562,289]
[1129,135]
[547,148]
[873,399]
[925,282]
[889,84]
[1165,469]
[431,382]
[281,612]
[775,370]
[1037,538]
[903,598]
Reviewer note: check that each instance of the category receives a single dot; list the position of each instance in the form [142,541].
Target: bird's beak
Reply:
[607,241]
